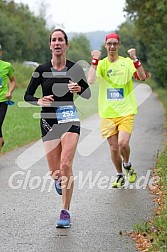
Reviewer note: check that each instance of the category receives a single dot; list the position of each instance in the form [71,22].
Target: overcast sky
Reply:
[81,15]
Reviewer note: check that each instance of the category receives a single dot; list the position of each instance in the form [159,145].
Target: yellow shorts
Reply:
[111,126]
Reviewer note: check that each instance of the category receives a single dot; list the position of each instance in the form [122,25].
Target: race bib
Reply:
[115,94]
[66,114]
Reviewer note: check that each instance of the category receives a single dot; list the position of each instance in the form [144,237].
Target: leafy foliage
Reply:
[150,19]
[23,36]
[26,37]
[79,48]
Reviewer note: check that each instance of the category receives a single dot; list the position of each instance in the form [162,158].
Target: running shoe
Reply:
[130,173]
[58,186]
[119,182]
[64,221]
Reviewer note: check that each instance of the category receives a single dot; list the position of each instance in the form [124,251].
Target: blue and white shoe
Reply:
[58,186]
[64,221]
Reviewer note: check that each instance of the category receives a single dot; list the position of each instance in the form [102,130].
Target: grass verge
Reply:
[151,236]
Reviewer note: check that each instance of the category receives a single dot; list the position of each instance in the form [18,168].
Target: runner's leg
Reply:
[53,155]
[123,142]
[3,110]
[69,143]
[115,152]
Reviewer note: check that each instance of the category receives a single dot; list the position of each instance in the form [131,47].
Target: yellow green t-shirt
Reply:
[116,91]
[6,72]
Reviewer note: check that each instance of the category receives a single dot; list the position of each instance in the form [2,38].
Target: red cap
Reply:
[112,35]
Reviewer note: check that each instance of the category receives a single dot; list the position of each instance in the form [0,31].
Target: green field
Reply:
[19,126]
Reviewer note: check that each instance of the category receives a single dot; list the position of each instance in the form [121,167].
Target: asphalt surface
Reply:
[30,206]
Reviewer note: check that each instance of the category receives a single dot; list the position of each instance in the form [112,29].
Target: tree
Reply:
[150,18]
[79,49]
[22,35]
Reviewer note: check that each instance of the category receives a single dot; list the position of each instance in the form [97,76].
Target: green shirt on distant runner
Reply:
[6,72]
[116,91]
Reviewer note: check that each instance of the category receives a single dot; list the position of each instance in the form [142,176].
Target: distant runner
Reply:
[6,74]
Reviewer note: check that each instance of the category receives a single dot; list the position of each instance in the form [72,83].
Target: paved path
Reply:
[28,212]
